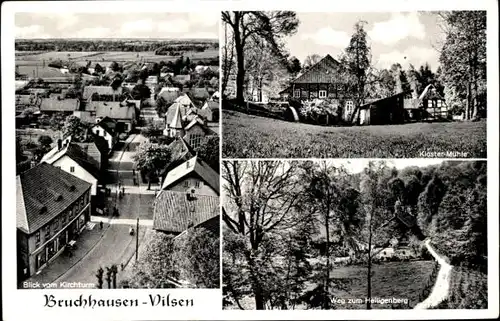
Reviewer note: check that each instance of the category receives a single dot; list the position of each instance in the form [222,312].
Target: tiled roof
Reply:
[108,125]
[92,151]
[168,96]
[200,93]
[180,151]
[53,104]
[196,166]
[74,152]
[172,110]
[176,121]
[182,78]
[325,71]
[115,110]
[175,213]
[184,100]
[88,91]
[43,192]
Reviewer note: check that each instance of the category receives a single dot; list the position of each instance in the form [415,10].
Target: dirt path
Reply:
[442,285]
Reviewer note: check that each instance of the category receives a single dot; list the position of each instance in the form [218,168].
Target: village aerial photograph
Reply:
[347,85]
[117,150]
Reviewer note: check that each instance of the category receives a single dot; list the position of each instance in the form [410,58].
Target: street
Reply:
[116,245]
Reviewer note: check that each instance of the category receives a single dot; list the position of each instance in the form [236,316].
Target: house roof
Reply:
[200,93]
[107,124]
[430,92]
[54,104]
[324,71]
[174,212]
[180,151]
[115,110]
[184,100]
[172,110]
[196,166]
[91,150]
[196,120]
[42,193]
[88,91]
[374,102]
[176,121]
[26,100]
[182,78]
[74,152]
[211,104]
[168,95]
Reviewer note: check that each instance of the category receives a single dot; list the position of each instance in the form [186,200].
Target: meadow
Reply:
[248,136]
[398,280]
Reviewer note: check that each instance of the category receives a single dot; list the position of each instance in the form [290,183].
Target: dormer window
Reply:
[59,197]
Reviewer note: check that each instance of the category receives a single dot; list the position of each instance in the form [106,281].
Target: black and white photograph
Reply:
[354,84]
[117,150]
[354,234]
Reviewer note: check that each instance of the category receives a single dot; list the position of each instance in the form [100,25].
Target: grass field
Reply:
[468,290]
[399,280]
[247,136]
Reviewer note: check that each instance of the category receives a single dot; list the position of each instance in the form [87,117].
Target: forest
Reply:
[288,223]
[160,47]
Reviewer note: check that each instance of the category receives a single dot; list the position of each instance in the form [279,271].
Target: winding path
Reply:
[441,287]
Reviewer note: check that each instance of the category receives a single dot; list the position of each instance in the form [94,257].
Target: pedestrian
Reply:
[100,224]
[123,266]
[123,190]
[133,171]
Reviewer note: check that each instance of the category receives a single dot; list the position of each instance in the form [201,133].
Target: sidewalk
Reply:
[61,264]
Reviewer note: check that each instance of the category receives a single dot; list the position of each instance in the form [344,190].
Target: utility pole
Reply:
[137,240]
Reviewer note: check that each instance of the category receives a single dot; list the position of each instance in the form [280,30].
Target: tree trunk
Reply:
[326,301]
[369,275]
[240,58]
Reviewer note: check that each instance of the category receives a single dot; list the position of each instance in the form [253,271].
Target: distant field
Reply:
[42,72]
[32,134]
[24,58]
[247,136]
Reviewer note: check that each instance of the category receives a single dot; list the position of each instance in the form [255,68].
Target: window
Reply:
[197,184]
[429,103]
[296,93]
[186,183]
[64,218]
[349,106]
[322,94]
[195,140]
[47,231]
[37,238]
[55,225]
[98,132]
[72,169]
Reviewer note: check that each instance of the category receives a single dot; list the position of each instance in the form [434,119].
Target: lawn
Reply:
[248,136]
[399,280]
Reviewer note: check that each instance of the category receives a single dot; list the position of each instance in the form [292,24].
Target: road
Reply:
[117,246]
[442,286]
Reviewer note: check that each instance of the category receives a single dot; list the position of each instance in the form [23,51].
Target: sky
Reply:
[118,25]
[404,37]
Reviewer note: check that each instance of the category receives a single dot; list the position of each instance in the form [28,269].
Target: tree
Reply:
[114,66]
[45,141]
[330,199]
[227,59]
[208,151]
[156,267]
[57,121]
[357,61]
[99,276]
[311,60]
[108,276]
[199,258]
[270,26]
[98,69]
[151,130]
[463,60]
[75,128]
[152,158]
[262,195]
[141,92]
[294,66]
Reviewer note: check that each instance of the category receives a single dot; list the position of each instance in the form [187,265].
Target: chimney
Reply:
[59,144]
